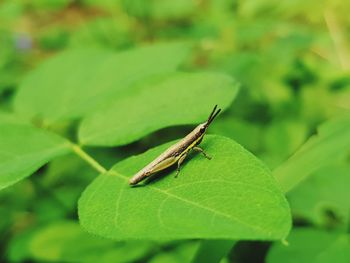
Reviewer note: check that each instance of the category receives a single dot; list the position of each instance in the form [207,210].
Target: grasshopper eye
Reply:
[202,129]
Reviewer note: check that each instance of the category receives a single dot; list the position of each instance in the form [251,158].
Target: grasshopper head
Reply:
[202,128]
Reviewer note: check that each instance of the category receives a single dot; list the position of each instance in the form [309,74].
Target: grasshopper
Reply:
[177,153]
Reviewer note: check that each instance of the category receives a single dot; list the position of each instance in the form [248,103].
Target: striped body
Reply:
[170,156]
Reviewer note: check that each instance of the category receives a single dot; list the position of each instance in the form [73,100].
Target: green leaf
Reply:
[325,192]
[289,133]
[246,133]
[78,82]
[332,141]
[24,149]
[67,242]
[181,253]
[18,249]
[232,196]
[213,250]
[177,99]
[311,245]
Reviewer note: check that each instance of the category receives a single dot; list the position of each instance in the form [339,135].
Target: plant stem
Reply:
[86,157]
[75,147]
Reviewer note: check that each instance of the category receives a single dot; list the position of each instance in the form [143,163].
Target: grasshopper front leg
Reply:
[198,149]
[179,162]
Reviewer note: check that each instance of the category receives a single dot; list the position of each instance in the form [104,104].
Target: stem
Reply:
[41,124]
[348,223]
[86,157]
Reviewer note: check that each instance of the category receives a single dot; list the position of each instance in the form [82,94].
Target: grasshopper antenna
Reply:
[213,114]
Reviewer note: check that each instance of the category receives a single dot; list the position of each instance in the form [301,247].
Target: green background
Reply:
[92,91]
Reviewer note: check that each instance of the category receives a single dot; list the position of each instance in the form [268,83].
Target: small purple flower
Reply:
[23,41]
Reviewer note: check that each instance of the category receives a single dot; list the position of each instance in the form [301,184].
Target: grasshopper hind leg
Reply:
[179,162]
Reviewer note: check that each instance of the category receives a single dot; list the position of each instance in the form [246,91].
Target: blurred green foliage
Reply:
[291,58]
